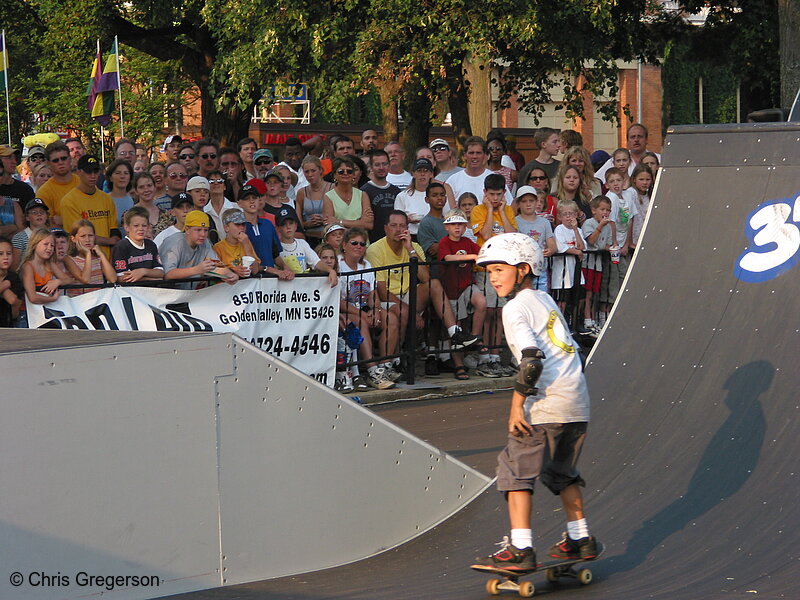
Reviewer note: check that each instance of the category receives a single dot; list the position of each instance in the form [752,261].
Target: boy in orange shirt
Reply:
[233,249]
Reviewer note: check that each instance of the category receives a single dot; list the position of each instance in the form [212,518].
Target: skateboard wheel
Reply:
[491,587]
[585,576]
[552,575]
[526,589]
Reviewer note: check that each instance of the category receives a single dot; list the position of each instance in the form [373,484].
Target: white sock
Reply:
[522,538]
[483,359]
[577,529]
[494,358]
[452,329]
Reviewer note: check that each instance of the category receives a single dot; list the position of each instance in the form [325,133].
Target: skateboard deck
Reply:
[555,569]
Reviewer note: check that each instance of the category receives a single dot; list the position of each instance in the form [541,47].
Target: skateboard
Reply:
[554,568]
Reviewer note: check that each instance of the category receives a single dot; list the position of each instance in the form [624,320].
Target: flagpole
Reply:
[119,91]
[102,145]
[8,92]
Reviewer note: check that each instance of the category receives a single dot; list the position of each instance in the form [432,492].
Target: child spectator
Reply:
[642,180]
[236,246]
[297,255]
[493,216]
[181,205]
[262,234]
[62,249]
[86,262]
[360,306]
[40,275]
[623,213]
[531,205]
[190,254]
[650,159]
[136,257]
[458,282]
[333,235]
[599,234]
[200,191]
[568,241]
[466,203]
[37,216]
[11,289]
[569,189]
[431,227]
[621,159]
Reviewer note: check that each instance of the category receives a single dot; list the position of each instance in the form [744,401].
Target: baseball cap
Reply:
[258,185]
[181,198]
[438,142]
[172,138]
[526,189]
[422,163]
[284,215]
[331,228]
[599,158]
[197,218]
[7,151]
[261,153]
[233,215]
[36,203]
[88,163]
[456,216]
[33,150]
[248,190]
[273,174]
[197,183]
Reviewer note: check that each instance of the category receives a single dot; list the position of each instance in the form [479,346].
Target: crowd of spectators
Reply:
[356,215]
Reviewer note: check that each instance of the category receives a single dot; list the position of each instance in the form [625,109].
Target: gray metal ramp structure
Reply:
[137,465]
[692,460]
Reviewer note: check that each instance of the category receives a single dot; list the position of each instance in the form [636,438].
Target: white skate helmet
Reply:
[512,249]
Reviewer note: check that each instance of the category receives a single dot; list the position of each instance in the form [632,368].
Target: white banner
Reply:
[296,321]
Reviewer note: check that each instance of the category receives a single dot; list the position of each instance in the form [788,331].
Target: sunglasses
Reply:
[537,177]
[263,161]
[355,243]
[178,175]
[58,160]
[216,181]
[345,172]
[186,156]
[35,157]
[440,148]
[207,156]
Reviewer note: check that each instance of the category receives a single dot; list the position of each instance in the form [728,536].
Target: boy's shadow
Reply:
[728,461]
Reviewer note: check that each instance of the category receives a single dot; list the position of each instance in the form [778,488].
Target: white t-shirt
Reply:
[594,261]
[563,267]
[401,180]
[302,252]
[601,172]
[532,320]
[356,288]
[462,182]
[623,209]
[159,239]
[413,203]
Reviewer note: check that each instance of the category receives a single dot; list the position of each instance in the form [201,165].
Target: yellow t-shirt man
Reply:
[98,208]
[53,193]
[398,279]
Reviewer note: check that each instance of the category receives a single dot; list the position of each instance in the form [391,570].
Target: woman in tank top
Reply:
[345,204]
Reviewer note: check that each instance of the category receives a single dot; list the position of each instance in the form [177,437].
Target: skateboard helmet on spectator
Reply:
[512,249]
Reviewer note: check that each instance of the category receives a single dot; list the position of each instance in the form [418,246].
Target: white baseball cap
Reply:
[526,189]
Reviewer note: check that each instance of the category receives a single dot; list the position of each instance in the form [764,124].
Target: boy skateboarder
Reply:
[549,409]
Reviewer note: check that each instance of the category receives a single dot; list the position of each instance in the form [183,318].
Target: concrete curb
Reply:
[438,386]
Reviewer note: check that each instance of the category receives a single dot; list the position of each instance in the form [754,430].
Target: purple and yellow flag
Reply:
[102,84]
[3,63]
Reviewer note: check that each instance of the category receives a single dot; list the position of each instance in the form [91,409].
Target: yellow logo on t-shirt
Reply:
[556,330]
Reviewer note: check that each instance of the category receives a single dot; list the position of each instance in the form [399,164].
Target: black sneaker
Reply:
[431,365]
[510,557]
[569,549]
[460,340]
